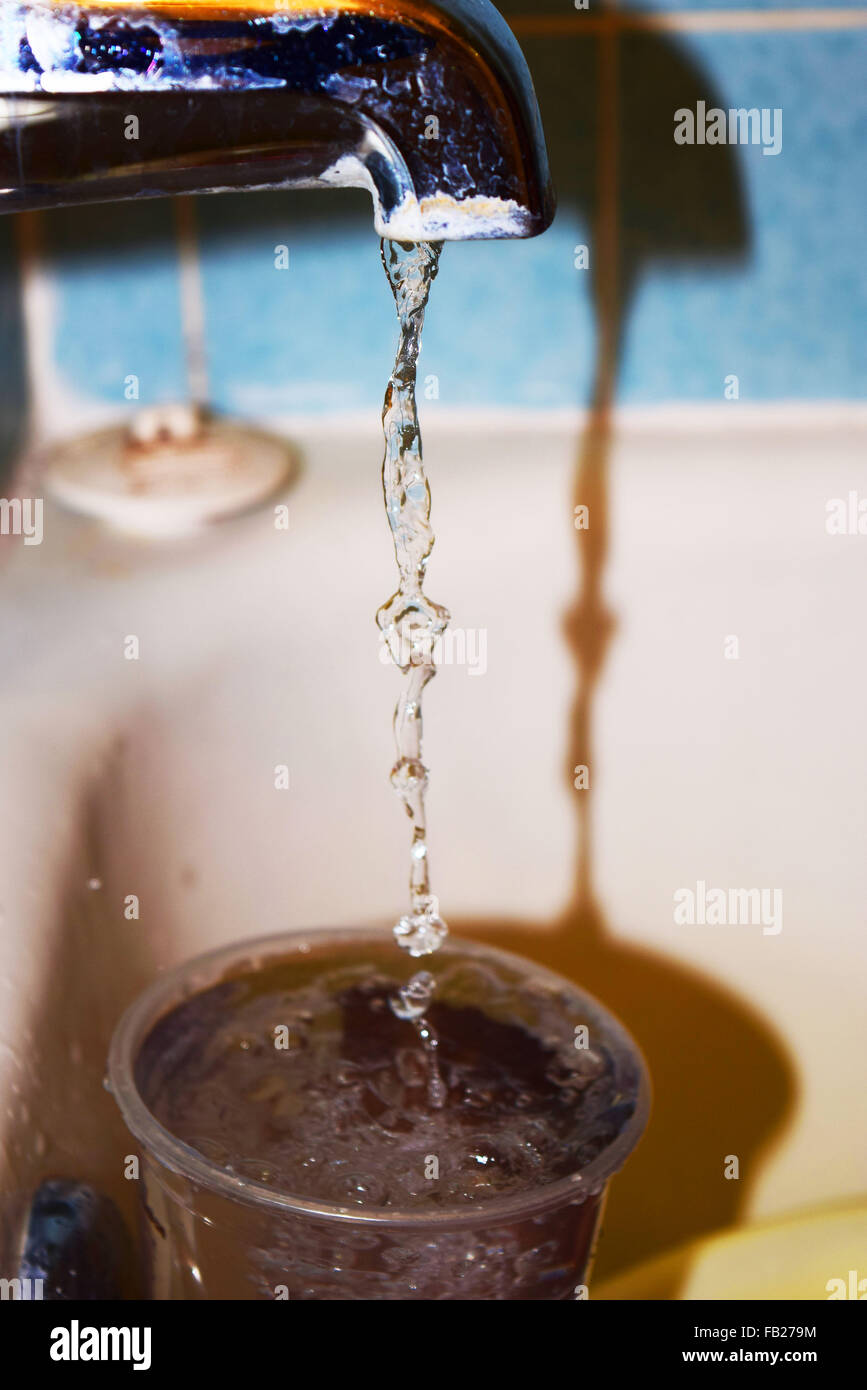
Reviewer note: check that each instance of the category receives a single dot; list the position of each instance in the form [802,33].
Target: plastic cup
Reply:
[212,1234]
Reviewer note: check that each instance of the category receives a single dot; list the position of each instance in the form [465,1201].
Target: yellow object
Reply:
[820,1255]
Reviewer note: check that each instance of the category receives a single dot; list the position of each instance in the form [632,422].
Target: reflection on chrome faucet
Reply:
[430,108]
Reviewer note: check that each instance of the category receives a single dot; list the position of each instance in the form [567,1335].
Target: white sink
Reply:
[258,647]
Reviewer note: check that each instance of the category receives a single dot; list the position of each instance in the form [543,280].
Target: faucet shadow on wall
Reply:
[722,1081]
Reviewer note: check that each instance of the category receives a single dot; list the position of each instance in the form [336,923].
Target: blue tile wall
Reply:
[790,320]
[744,264]
[118,303]
[321,335]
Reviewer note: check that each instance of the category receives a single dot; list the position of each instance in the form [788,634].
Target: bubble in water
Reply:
[252,1170]
[477,1099]
[530,1263]
[361,1188]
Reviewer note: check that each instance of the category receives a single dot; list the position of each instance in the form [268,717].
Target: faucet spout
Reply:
[428,106]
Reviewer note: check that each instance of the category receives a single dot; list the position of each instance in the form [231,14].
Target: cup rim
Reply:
[202,971]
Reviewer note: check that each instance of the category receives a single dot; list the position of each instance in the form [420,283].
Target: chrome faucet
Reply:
[429,106]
